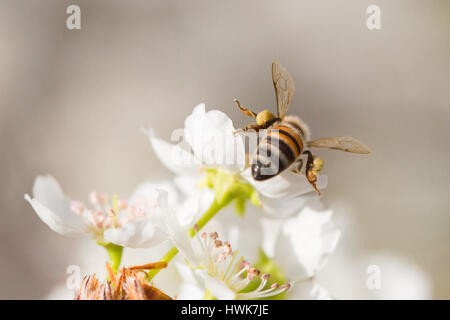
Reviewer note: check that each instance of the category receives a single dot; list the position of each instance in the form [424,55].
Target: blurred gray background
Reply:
[72,103]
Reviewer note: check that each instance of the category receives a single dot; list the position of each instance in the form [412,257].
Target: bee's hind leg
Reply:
[297,166]
[313,166]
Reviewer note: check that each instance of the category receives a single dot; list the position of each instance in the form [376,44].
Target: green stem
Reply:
[167,257]
[115,255]
[208,215]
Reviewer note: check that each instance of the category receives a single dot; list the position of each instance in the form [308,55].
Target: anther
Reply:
[121,204]
[213,235]
[93,197]
[244,265]
[227,248]
[252,272]
[77,207]
[286,286]
[265,276]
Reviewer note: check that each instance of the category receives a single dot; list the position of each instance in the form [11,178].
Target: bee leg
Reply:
[313,166]
[297,166]
[245,111]
[253,127]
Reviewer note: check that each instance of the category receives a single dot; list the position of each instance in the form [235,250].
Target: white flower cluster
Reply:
[278,229]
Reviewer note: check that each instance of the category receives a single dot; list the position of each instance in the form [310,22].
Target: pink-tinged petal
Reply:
[210,135]
[53,207]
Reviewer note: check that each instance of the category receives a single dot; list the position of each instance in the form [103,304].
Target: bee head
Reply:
[263,117]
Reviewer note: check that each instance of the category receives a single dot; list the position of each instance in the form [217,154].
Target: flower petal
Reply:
[148,192]
[400,277]
[189,291]
[173,156]
[53,207]
[179,236]
[188,274]
[219,289]
[210,135]
[243,233]
[196,281]
[284,185]
[140,233]
[312,237]
[309,290]
[144,232]
[285,207]
[193,286]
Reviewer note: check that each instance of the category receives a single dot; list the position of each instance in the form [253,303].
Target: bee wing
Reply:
[284,87]
[348,144]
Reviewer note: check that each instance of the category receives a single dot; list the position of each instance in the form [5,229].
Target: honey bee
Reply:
[287,139]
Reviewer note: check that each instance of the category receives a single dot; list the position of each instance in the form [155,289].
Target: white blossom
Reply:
[212,266]
[300,246]
[136,224]
[210,142]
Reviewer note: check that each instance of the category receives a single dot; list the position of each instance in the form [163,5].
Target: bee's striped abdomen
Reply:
[277,151]
[291,136]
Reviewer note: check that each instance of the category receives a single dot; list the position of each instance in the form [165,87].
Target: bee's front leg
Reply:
[313,165]
[245,111]
[253,127]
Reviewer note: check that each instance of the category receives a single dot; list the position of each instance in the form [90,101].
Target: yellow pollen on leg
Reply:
[263,117]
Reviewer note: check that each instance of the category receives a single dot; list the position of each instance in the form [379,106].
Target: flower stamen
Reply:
[220,262]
